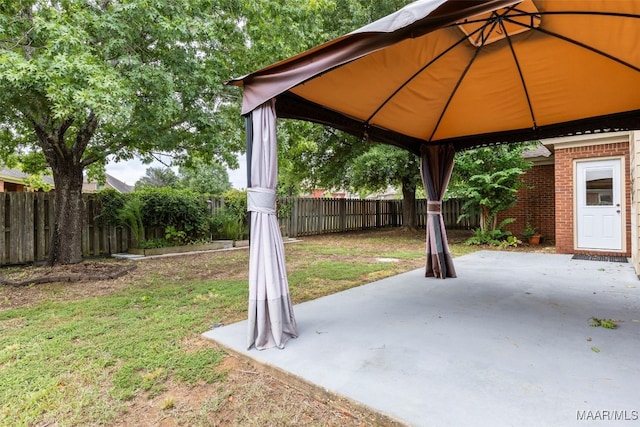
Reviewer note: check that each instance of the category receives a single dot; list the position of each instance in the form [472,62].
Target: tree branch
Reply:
[50,149]
[64,127]
[158,159]
[85,133]
[92,159]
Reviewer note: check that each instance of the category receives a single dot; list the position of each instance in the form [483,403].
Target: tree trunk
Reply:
[485,224]
[67,164]
[66,236]
[409,219]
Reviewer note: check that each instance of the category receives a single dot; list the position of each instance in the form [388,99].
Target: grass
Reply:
[603,323]
[103,351]
[80,360]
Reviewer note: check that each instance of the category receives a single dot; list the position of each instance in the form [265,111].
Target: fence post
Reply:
[343,214]
[41,250]
[394,214]
[3,214]
[320,223]
[294,219]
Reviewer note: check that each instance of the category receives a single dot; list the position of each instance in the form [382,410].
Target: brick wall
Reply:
[536,203]
[634,172]
[564,175]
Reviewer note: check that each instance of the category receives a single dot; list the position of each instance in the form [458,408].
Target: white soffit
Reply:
[586,140]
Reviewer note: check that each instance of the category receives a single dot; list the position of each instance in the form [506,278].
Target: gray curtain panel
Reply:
[436,167]
[271,321]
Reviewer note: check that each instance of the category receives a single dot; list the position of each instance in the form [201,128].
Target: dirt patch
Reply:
[93,278]
[249,397]
[84,271]
[42,283]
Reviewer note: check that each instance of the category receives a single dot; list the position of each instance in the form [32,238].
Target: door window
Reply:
[599,187]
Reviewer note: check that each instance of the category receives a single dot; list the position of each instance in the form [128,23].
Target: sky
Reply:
[131,171]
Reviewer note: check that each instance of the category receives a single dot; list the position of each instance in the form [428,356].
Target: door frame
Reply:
[623,203]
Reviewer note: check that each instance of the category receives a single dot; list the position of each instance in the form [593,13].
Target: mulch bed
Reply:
[84,271]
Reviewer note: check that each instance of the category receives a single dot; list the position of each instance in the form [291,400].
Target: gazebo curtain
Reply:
[271,321]
[436,167]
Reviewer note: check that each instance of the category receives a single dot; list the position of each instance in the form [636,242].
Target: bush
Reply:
[496,237]
[153,244]
[111,202]
[181,209]
[225,224]
[235,202]
[131,215]
[232,220]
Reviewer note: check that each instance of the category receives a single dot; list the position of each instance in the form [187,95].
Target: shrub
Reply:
[111,202]
[181,209]
[174,236]
[496,237]
[153,244]
[235,202]
[225,224]
[131,215]
[232,220]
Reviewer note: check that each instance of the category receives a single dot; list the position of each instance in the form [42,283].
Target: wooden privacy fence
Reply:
[308,216]
[25,229]
[26,219]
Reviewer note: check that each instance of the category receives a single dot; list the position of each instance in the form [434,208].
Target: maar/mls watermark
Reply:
[608,415]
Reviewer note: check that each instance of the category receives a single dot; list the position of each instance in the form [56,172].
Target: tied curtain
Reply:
[436,167]
[271,321]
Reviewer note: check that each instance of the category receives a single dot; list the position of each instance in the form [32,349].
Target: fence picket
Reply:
[4,256]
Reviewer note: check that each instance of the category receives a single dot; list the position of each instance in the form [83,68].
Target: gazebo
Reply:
[433,78]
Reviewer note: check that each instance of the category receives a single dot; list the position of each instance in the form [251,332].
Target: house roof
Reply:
[118,185]
[538,151]
[18,177]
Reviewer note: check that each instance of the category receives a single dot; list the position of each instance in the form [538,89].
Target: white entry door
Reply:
[599,205]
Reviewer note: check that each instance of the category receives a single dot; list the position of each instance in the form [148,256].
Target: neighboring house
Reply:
[320,193]
[583,193]
[15,180]
[389,194]
[111,182]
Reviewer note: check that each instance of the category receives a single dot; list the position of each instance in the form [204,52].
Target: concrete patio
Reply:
[507,343]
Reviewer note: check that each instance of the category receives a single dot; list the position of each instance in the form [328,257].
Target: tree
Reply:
[385,166]
[205,178]
[489,178]
[313,156]
[82,81]
[157,178]
[325,158]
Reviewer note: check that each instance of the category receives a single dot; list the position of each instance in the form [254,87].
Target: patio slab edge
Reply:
[337,401]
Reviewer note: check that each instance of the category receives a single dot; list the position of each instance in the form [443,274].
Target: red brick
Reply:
[548,205]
